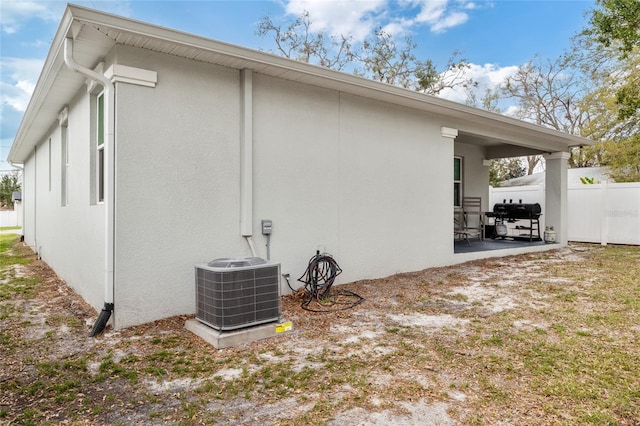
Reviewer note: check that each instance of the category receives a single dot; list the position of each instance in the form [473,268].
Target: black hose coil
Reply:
[318,278]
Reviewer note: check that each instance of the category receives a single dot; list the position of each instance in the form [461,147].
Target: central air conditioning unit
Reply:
[233,293]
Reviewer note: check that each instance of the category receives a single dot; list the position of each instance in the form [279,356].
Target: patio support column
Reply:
[449,136]
[555,209]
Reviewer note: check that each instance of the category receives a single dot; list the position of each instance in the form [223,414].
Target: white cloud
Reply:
[512,111]
[431,11]
[470,5]
[16,12]
[354,18]
[19,80]
[441,15]
[488,77]
[449,21]
[358,19]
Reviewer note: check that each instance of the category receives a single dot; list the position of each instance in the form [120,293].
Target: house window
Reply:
[64,178]
[49,164]
[100,146]
[457,181]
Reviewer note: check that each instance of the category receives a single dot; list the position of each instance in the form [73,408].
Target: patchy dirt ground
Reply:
[501,341]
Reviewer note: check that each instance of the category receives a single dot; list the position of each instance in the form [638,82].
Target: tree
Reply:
[299,43]
[389,61]
[623,159]
[504,169]
[549,94]
[604,123]
[488,101]
[608,55]
[380,57]
[8,185]
[616,24]
[385,60]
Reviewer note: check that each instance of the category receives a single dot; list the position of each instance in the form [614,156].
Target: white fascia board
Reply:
[316,75]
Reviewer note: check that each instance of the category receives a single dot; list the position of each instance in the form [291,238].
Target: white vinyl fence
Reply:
[11,217]
[8,218]
[601,213]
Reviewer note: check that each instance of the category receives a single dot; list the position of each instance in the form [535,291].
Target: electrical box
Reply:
[266,227]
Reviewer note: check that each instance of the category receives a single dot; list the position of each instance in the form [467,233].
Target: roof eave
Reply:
[442,106]
[256,59]
[50,69]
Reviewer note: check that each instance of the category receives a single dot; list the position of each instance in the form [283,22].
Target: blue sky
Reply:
[494,35]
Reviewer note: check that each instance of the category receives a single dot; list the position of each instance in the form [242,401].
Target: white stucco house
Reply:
[147,150]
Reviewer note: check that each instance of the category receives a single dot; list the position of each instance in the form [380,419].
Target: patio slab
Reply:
[474,245]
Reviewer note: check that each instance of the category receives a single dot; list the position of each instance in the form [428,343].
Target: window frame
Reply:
[50,171]
[64,169]
[100,116]
[457,181]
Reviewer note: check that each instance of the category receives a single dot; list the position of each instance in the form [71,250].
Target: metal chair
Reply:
[469,220]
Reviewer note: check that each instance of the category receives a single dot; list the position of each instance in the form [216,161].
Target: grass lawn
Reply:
[537,339]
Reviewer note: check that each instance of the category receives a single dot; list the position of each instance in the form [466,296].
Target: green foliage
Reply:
[611,80]
[617,22]
[11,254]
[505,169]
[615,25]
[8,185]
[628,97]
[623,159]
[587,180]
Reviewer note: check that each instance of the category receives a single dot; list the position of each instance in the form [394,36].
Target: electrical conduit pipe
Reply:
[246,158]
[109,186]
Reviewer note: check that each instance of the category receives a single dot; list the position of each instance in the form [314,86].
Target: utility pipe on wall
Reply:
[246,158]
[109,180]
[35,200]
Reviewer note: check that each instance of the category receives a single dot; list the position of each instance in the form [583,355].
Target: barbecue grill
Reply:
[514,212]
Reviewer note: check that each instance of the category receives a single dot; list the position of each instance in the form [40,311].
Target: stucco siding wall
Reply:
[395,189]
[177,198]
[69,238]
[367,182]
[296,171]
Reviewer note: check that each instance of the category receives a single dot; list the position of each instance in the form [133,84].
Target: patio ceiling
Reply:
[96,33]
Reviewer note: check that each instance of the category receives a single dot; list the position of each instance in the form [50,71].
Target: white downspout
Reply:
[246,158]
[35,202]
[109,168]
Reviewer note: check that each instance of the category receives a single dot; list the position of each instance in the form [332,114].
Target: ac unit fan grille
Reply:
[232,299]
